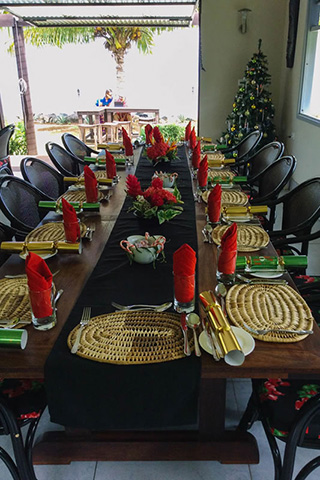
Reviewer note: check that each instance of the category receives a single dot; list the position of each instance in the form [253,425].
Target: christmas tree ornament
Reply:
[252,106]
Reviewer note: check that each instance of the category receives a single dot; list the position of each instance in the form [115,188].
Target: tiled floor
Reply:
[238,393]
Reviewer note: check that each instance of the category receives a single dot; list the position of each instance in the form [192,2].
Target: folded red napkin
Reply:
[39,279]
[228,254]
[196,155]
[193,139]
[203,172]
[187,131]
[111,168]
[70,222]
[148,131]
[91,185]
[184,267]
[214,204]
[127,142]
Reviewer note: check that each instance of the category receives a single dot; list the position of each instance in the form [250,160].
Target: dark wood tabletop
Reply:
[268,359]
[211,441]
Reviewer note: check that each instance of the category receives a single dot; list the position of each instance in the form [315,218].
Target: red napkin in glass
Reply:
[214,204]
[196,155]
[187,131]
[203,172]
[184,265]
[193,139]
[39,279]
[148,131]
[91,185]
[127,142]
[71,222]
[111,168]
[228,254]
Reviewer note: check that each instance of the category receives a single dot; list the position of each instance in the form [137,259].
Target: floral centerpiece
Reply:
[160,150]
[155,201]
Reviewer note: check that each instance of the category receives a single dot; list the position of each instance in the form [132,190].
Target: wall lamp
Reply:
[244,13]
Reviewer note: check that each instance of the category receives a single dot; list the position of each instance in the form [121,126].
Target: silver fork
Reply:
[157,308]
[92,230]
[86,315]
[277,330]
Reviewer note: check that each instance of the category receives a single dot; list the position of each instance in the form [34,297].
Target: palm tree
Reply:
[118,40]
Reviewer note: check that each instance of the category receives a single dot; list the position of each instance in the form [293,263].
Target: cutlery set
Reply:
[90,231]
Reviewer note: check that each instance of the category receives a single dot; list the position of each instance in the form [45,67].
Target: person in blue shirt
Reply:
[106,100]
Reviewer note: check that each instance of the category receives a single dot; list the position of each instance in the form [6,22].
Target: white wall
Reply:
[225,55]
[305,142]
[226,52]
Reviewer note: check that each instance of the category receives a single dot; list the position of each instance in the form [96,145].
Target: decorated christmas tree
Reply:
[252,107]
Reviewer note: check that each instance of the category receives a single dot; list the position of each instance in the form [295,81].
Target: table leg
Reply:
[212,402]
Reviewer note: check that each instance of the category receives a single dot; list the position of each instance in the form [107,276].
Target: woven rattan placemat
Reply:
[14,299]
[233,197]
[77,196]
[215,157]
[51,232]
[225,173]
[131,337]
[249,237]
[269,306]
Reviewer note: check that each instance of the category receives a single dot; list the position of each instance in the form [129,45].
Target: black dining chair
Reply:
[270,183]
[243,149]
[6,234]
[300,211]
[264,157]
[22,403]
[19,203]
[65,162]
[76,147]
[43,177]
[5,135]
[289,411]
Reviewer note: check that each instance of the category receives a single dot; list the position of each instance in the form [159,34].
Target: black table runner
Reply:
[99,396]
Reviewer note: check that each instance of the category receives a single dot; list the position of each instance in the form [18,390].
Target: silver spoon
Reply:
[208,228]
[193,322]
[221,293]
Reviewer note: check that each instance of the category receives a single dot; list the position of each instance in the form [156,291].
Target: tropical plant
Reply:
[171,132]
[18,142]
[118,40]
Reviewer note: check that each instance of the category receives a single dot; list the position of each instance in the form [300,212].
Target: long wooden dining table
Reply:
[209,440]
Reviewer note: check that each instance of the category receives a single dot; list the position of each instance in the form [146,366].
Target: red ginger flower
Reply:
[157,150]
[157,200]
[157,183]
[148,130]
[133,186]
[157,135]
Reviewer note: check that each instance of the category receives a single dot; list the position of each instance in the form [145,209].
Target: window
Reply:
[310,92]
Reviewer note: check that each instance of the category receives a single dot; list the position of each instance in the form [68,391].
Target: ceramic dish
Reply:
[246,341]
[44,255]
[266,274]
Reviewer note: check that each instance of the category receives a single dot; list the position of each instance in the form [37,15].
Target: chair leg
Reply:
[250,415]
[276,456]
[28,444]
[308,468]
[7,460]
[23,468]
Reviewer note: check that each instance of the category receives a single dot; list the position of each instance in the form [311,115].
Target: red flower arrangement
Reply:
[155,201]
[160,150]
